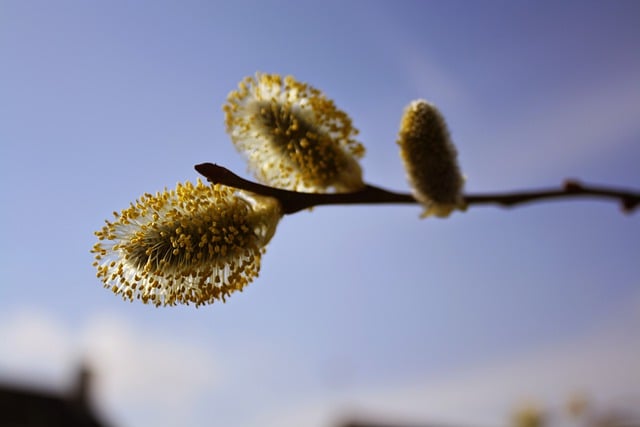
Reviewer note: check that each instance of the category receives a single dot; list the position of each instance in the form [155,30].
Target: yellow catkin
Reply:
[430,159]
[293,136]
[195,244]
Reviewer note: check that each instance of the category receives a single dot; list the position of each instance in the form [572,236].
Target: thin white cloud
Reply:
[146,379]
[34,346]
[140,378]
[604,365]
[570,131]
[426,76]
[416,65]
[138,369]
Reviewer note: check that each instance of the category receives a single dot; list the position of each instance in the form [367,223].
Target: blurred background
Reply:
[359,313]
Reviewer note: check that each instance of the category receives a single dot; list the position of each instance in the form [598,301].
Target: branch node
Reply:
[573,186]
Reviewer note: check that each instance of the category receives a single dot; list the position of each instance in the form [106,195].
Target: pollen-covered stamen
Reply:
[310,150]
[430,159]
[293,136]
[208,238]
[192,244]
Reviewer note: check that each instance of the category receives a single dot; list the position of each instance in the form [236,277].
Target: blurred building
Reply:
[25,406]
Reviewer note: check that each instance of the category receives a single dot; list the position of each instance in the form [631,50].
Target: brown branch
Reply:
[293,201]
[629,200]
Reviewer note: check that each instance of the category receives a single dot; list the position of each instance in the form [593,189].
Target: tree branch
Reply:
[293,201]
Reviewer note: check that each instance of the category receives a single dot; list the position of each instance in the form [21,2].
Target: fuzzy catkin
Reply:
[193,244]
[293,136]
[430,159]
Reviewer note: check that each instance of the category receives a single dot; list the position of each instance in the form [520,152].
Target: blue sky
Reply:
[357,310]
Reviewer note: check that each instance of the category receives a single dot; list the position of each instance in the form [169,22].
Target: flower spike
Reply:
[293,136]
[430,160]
[194,244]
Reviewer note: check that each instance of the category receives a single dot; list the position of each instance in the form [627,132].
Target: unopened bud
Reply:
[430,159]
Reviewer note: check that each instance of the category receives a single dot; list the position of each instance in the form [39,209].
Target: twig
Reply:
[629,200]
[293,201]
